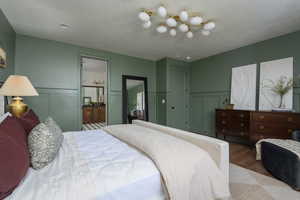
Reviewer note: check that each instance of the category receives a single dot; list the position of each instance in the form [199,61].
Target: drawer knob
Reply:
[261,117]
[223,122]
[242,115]
[242,133]
[223,130]
[242,124]
[223,114]
[261,127]
[290,119]
[290,130]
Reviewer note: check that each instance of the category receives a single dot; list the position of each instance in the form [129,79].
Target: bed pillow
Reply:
[43,144]
[55,130]
[29,120]
[12,126]
[14,155]
[53,126]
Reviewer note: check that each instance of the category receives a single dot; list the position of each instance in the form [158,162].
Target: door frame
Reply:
[105,88]
[125,95]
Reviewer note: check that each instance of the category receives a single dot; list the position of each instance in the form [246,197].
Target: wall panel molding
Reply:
[202,110]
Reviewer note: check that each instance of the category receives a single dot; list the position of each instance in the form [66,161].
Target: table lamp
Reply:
[17,86]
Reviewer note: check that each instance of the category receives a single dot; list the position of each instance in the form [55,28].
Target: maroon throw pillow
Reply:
[12,126]
[29,120]
[14,155]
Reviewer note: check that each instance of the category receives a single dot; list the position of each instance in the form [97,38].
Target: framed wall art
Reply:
[243,87]
[2,57]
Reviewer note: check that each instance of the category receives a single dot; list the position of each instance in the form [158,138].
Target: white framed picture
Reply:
[243,87]
[270,73]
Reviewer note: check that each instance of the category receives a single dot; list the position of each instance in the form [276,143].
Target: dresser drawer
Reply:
[276,118]
[240,115]
[272,129]
[222,113]
[268,117]
[222,122]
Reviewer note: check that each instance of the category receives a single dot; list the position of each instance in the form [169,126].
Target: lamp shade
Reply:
[17,85]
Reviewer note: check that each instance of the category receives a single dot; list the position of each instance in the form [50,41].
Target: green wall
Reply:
[161,88]
[54,69]
[175,91]
[211,77]
[7,42]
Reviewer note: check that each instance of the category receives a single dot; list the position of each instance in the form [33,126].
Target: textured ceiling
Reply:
[113,24]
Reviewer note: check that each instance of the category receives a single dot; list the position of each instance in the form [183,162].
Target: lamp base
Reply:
[17,108]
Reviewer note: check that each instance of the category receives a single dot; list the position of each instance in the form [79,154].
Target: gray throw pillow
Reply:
[52,125]
[44,142]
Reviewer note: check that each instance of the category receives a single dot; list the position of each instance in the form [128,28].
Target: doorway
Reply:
[93,93]
[178,98]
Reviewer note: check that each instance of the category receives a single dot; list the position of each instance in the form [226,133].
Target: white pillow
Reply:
[3,117]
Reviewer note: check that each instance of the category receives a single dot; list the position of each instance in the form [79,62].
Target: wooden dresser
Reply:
[256,125]
[93,113]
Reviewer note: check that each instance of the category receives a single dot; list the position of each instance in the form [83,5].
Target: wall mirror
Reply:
[93,95]
[135,98]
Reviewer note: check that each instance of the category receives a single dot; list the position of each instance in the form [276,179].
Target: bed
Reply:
[97,165]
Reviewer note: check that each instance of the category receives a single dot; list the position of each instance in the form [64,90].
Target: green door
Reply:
[177,97]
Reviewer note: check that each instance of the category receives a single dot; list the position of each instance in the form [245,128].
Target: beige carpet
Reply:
[249,185]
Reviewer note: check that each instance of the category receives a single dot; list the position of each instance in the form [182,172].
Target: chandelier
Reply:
[184,22]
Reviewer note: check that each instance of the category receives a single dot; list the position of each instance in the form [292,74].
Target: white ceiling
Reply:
[113,24]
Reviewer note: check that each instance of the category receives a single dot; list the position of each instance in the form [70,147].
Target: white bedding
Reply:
[93,165]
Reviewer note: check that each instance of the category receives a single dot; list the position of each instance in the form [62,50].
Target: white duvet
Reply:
[93,165]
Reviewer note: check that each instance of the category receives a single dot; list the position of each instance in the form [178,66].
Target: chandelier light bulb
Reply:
[171,22]
[147,24]
[173,32]
[196,20]
[162,11]
[209,26]
[161,29]
[144,16]
[172,25]
[190,34]
[205,32]
[184,16]
[183,28]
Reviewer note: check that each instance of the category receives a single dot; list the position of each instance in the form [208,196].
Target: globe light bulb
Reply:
[161,29]
[196,20]
[171,22]
[147,24]
[209,26]
[184,16]
[162,11]
[183,28]
[173,32]
[190,34]
[144,16]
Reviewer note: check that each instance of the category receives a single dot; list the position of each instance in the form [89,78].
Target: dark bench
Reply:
[282,163]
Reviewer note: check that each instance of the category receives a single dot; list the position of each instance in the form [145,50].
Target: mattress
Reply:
[93,165]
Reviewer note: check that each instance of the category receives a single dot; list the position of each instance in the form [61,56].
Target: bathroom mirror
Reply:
[135,98]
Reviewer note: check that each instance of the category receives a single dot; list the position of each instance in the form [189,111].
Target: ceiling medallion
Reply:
[184,22]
